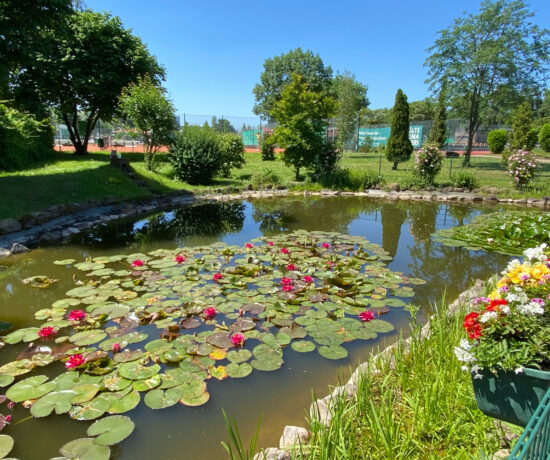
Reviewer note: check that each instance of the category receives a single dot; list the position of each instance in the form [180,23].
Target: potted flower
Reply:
[508,345]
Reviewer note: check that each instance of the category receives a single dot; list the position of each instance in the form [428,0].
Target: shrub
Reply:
[427,164]
[523,135]
[265,177]
[522,166]
[268,148]
[497,139]
[327,158]
[465,180]
[232,152]
[195,155]
[23,139]
[366,146]
[504,159]
[346,179]
[544,137]
[399,146]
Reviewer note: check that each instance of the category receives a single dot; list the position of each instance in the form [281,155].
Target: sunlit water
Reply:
[283,396]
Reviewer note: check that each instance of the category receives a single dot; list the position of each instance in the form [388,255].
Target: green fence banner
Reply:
[380,136]
[251,137]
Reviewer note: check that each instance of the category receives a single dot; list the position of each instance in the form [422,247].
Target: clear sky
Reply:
[214,50]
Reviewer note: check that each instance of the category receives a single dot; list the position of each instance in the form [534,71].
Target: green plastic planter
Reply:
[509,396]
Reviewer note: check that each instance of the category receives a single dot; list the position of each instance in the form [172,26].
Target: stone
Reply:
[320,410]
[395,187]
[272,453]
[27,221]
[292,436]
[501,454]
[4,252]
[40,217]
[9,226]
[17,248]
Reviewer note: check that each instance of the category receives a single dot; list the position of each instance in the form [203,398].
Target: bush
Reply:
[232,152]
[465,180]
[195,155]
[544,137]
[504,159]
[523,135]
[345,179]
[268,148]
[497,139]
[522,166]
[265,177]
[427,164]
[23,139]
[327,158]
[366,146]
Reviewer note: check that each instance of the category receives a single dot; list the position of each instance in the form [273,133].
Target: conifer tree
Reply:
[399,147]
[523,136]
[438,133]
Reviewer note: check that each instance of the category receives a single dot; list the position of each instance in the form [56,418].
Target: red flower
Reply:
[270,243]
[330,264]
[475,331]
[288,288]
[494,304]
[7,418]
[285,251]
[285,281]
[217,276]
[470,320]
[180,258]
[47,331]
[473,328]
[249,245]
[210,312]
[137,263]
[326,245]
[291,267]
[238,339]
[76,315]
[308,279]
[116,347]
[367,316]
[74,361]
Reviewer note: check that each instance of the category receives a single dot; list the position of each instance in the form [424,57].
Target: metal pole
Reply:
[451,168]
[357,141]
[380,164]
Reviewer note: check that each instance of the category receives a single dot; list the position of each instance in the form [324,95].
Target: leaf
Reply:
[91,409]
[111,430]
[137,371]
[196,400]
[125,404]
[6,445]
[239,356]
[6,380]
[60,401]
[235,370]
[303,346]
[64,262]
[30,388]
[333,352]
[39,281]
[160,399]
[85,449]
[89,337]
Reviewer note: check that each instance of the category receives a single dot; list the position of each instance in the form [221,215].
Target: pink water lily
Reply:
[74,361]
[76,315]
[270,243]
[291,267]
[326,245]
[238,339]
[217,276]
[116,347]
[180,258]
[47,331]
[7,418]
[137,263]
[288,287]
[308,279]
[249,245]
[285,281]
[367,316]
[285,251]
[210,312]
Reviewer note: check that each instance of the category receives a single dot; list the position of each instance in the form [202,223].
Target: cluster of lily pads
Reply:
[217,311]
[508,233]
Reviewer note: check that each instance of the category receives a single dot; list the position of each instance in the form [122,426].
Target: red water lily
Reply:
[238,339]
[76,315]
[210,312]
[116,347]
[217,276]
[137,263]
[291,267]
[180,258]
[326,245]
[74,361]
[285,281]
[308,279]
[285,251]
[367,316]
[270,243]
[288,287]
[249,245]
[47,331]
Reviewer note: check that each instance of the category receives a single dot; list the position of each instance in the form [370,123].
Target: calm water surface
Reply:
[283,396]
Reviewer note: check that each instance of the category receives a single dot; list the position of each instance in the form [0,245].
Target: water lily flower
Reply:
[288,288]
[285,281]
[249,245]
[291,267]
[116,347]
[326,245]
[210,312]
[367,316]
[137,263]
[11,404]
[180,258]
[238,339]
[308,279]
[285,251]
[7,418]
[270,243]
[217,276]
[47,331]
[74,361]
[76,315]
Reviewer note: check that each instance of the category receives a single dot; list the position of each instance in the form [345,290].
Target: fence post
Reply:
[451,168]
[357,140]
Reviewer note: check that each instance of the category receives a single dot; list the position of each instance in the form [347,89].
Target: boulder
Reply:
[271,453]
[17,248]
[292,436]
[4,252]
[9,225]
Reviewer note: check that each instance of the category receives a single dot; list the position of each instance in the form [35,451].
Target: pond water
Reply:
[403,229]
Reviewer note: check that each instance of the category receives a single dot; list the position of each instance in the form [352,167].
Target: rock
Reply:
[9,225]
[17,248]
[271,453]
[320,411]
[395,187]
[51,236]
[501,454]
[4,252]
[293,435]
[27,221]
[40,217]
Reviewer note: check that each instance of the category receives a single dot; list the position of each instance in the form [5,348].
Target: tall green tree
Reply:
[523,135]
[351,97]
[422,110]
[277,75]
[145,103]
[399,146]
[485,56]
[222,125]
[85,75]
[376,116]
[302,116]
[438,133]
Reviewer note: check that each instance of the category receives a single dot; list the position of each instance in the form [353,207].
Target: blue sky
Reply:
[214,50]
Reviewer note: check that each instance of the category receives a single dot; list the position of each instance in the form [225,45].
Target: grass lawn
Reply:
[67,178]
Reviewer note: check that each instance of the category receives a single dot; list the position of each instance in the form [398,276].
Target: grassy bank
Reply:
[67,178]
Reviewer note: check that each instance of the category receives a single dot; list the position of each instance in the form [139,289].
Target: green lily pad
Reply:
[84,392]
[30,388]
[64,262]
[303,346]
[238,356]
[60,401]
[111,430]
[125,404]
[85,449]
[39,281]
[196,400]
[6,445]
[91,409]
[6,380]
[147,384]
[89,337]
[379,325]
[333,352]
[116,382]
[137,371]
[160,399]
[235,370]
[27,334]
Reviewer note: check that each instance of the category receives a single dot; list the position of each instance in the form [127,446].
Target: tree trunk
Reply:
[297,178]
[394,167]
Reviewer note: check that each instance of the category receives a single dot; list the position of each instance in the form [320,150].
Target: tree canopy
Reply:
[277,75]
[351,97]
[484,57]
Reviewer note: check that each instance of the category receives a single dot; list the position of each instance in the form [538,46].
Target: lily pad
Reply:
[91,409]
[30,388]
[137,371]
[333,352]
[64,262]
[89,337]
[6,445]
[239,356]
[196,400]
[125,404]
[40,281]
[6,380]
[235,370]
[111,430]
[303,346]
[85,449]
[160,399]
[60,401]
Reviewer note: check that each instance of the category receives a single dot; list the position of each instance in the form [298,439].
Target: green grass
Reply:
[66,178]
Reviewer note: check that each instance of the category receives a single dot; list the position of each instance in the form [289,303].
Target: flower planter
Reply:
[509,396]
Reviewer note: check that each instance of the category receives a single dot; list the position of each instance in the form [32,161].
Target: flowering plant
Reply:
[522,166]
[427,163]
[510,329]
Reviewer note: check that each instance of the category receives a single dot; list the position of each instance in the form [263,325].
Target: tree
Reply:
[302,115]
[277,75]
[151,112]
[376,116]
[438,133]
[523,135]
[222,125]
[351,97]
[399,146]
[422,110]
[86,73]
[484,56]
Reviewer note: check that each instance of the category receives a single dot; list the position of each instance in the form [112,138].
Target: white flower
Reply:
[464,355]
[488,316]
[505,309]
[536,254]
[512,265]
[519,370]
[475,370]
[521,297]
[531,308]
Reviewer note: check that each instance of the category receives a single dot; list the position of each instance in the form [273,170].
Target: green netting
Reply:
[251,137]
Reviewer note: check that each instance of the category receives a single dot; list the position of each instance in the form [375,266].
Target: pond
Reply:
[402,229]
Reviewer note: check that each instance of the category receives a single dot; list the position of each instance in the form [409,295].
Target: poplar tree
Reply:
[399,147]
